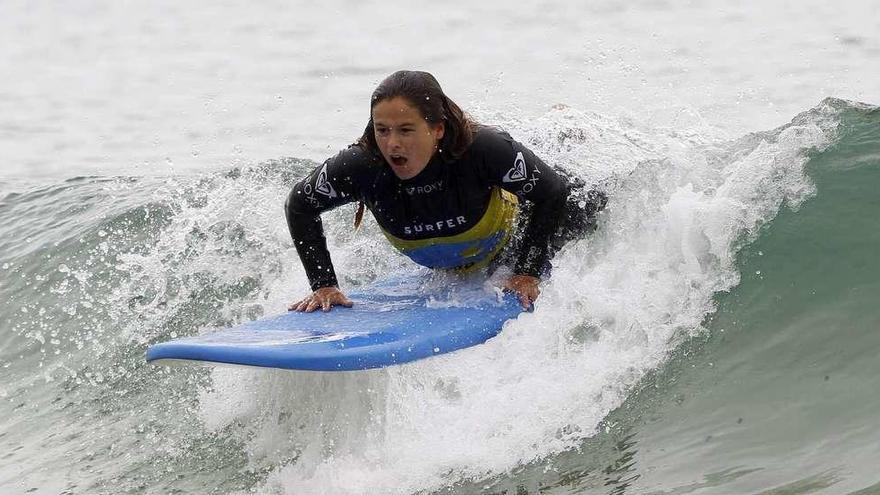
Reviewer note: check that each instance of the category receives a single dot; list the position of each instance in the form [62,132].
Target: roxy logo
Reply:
[518,171]
[426,189]
[322,185]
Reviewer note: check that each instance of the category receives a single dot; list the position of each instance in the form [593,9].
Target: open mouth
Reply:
[398,160]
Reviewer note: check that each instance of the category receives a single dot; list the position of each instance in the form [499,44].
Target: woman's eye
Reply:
[381,131]
[406,131]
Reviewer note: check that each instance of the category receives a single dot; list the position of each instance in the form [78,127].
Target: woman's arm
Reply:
[307,232]
[511,166]
[332,184]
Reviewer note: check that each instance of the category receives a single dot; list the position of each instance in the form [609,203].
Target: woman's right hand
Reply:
[324,298]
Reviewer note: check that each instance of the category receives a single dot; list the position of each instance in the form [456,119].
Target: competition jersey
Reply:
[454,213]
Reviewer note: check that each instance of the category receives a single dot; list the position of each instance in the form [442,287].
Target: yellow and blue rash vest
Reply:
[456,213]
[472,249]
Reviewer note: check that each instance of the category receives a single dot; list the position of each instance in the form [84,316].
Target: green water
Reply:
[783,391]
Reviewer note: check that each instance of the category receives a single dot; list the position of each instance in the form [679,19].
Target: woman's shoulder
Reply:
[490,140]
[356,155]
[353,165]
[488,134]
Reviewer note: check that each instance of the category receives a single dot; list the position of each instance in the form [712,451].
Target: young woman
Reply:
[445,191]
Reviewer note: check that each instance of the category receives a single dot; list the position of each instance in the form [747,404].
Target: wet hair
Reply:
[423,92]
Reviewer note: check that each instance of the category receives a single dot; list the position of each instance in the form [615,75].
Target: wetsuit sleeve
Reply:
[332,184]
[514,167]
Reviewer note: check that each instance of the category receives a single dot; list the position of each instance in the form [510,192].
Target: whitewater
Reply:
[716,334]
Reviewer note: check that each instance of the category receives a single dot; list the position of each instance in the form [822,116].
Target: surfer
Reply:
[447,192]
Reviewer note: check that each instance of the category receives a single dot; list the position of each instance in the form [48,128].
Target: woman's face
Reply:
[405,138]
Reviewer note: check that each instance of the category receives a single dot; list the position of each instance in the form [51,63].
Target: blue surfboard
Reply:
[393,321]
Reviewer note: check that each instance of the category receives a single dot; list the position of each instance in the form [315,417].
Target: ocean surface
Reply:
[718,334]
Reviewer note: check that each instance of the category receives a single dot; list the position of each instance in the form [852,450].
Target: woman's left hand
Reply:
[525,287]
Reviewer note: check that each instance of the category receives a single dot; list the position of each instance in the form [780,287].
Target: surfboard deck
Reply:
[393,321]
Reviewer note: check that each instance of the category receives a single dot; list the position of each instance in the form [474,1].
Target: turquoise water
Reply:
[742,361]
[779,393]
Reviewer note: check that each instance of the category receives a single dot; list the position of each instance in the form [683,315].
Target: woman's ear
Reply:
[439,131]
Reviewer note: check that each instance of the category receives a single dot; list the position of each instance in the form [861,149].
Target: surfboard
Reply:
[393,321]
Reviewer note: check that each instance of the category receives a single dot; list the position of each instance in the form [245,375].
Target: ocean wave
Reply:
[97,268]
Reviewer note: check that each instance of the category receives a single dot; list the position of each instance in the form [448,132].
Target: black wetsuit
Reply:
[447,198]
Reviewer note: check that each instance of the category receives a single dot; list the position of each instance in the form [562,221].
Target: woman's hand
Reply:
[525,287]
[324,298]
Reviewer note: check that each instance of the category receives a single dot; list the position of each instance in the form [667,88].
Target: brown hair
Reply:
[423,92]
